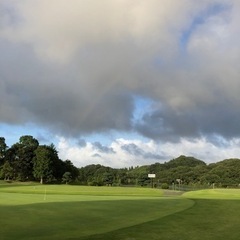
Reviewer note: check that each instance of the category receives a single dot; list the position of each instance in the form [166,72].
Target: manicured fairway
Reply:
[38,212]
[80,190]
[75,212]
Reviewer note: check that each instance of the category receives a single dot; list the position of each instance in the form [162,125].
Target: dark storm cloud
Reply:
[221,118]
[79,71]
[169,125]
[58,98]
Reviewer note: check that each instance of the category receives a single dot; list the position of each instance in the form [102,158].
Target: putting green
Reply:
[73,212]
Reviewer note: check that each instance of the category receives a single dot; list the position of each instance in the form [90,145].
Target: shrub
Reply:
[165,186]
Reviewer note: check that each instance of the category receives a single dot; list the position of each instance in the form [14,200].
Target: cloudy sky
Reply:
[122,82]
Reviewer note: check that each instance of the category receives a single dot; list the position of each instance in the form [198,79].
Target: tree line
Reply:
[27,160]
[182,172]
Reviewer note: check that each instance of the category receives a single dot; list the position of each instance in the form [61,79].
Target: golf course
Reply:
[34,211]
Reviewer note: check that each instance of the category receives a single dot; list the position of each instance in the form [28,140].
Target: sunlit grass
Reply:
[33,212]
[45,214]
[214,194]
[81,190]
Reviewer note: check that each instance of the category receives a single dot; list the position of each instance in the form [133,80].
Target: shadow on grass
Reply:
[207,219]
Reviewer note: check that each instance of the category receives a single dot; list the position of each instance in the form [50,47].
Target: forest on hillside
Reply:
[27,160]
[179,173]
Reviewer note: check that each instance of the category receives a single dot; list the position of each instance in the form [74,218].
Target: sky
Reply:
[122,82]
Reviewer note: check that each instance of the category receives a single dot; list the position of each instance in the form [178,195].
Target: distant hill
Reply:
[184,161]
[191,171]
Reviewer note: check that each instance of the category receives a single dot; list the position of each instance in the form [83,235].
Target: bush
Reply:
[95,183]
[165,186]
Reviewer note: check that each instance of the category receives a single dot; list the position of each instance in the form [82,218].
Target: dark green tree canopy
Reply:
[3,148]
[28,141]
[27,160]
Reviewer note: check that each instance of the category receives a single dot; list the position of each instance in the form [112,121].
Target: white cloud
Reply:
[146,152]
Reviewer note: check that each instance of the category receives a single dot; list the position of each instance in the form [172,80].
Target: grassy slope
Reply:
[78,211]
[70,212]
[208,220]
[214,194]
[214,216]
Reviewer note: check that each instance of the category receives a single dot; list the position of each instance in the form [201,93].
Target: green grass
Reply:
[207,219]
[34,212]
[78,219]
[214,194]
[80,190]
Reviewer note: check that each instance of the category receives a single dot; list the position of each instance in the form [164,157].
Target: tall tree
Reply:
[46,165]
[7,171]
[69,167]
[43,163]
[3,149]
[23,162]
[57,165]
